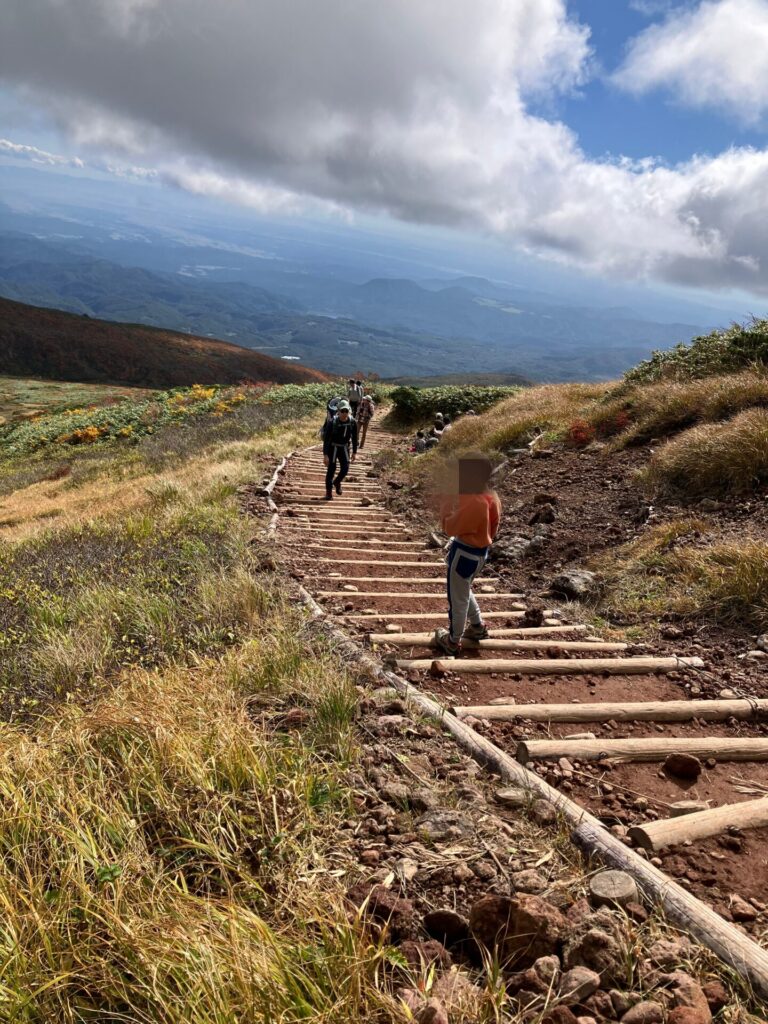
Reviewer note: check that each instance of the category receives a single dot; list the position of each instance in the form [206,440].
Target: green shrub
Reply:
[734,348]
[713,459]
[418,404]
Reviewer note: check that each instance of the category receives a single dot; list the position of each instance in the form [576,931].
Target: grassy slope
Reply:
[166,839]
[53,344]
[24,398]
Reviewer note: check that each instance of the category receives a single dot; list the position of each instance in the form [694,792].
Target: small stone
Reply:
[578,984]
[366,501]
[559,1015]
[683,766]
[370,858]
[530,880]
[351,588]
[756,655]
[688,993]
[622,1002]
[727,695]
[432,1012]
[688,1015]
[463,873]
[716,995]
[458,993]
[515,798]
[740,909]
[394,793]
[681,807]
[407,868]
[422,954]
[385,907]
[670,953]
[446,926]
[647,1012]
[609,888]
[393,627]
[543,812]
[440,824]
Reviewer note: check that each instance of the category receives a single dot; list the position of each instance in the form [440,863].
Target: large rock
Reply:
[647,1012]
[575,584]
[384,907]
[578,984]
[687,1015]
[686,992]
[523,927]
[598,942]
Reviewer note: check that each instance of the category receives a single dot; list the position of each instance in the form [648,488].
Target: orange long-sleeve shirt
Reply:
[471,518]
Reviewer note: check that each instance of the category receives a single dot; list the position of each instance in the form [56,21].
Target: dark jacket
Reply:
[336,433]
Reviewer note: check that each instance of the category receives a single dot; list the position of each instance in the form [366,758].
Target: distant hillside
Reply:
[469,379]
[37,342]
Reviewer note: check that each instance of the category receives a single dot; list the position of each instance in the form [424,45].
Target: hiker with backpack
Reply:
[471,519]
[354,396]
[339,435]
[364,417]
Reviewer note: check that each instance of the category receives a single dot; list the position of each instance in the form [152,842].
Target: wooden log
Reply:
[500,644]
[643,711]
[415,580]
[682,909]
[554,666]
[417,597]
[655,835]
[356,561]
[654,748]
[437,616]
[425,639]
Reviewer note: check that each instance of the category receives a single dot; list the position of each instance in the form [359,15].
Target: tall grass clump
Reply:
[723,351]
[166,859]
[713,460]
[644,412]
[412,405]
[547,410]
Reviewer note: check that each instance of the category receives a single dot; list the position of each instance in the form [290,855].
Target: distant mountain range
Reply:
[48,343]
[391,326]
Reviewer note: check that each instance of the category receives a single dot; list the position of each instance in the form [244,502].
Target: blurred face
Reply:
[344,415]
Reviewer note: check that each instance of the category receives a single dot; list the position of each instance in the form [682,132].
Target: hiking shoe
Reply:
[328,496]
[478,632]
[443,642]
[338,488]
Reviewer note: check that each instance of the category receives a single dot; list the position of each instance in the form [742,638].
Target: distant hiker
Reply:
[437,429]
[364,416]
[339,434]
[354,396]
[471,518]
[420,443]
[447,424]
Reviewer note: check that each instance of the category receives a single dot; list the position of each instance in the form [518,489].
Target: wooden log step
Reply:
[437,616]
[356,561]
[415,580]
[655,835]
[426,639]
[364,552]
[335,542]
[555,666]
[417,597]
[654,748]
[643,711]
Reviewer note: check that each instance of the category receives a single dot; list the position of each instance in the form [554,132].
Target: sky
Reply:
[625,138]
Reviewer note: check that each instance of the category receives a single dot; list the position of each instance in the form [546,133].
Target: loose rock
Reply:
[524,927]
[575,584]
[543,812]
[441,824]
[683,766]
[647,1012]
[688,993]
[515,798]
[578,984]
[530,881]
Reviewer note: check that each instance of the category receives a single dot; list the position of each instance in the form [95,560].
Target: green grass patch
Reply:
[723,351]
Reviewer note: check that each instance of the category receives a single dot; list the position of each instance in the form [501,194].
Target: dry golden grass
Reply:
[680,567]
[165,859]
[549,410]
[713,459]
[121,487]
[657,410]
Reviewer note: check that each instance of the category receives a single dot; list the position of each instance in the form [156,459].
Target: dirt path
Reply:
[380,578]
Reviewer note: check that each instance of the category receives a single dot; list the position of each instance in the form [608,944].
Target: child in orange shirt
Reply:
[471,518]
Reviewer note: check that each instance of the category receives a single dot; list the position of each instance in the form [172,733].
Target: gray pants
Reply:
[464,563]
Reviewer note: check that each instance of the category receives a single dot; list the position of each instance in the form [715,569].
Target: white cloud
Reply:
[416,108]
[37,156]
[712,55]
